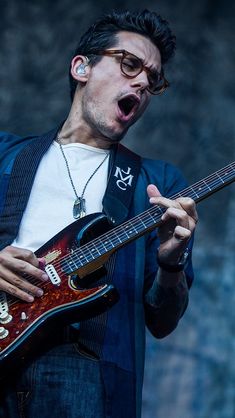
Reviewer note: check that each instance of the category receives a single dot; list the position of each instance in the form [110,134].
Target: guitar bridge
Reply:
[52,274]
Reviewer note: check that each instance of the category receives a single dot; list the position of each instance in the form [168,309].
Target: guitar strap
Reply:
[124,169]
[123,175]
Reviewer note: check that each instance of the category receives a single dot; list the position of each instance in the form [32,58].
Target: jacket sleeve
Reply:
[164,307]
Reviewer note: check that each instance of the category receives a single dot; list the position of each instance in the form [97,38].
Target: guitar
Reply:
[74,259]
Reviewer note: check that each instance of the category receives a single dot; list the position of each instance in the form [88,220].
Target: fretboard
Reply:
[144,222]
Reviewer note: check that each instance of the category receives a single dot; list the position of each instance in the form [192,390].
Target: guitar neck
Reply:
[145,222]
[209,185]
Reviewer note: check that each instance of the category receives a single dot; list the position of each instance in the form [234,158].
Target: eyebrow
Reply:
[154,70]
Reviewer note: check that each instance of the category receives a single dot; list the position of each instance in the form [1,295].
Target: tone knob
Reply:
[3,333]
[5,317]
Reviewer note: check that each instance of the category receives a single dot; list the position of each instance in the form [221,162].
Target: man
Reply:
[96,370]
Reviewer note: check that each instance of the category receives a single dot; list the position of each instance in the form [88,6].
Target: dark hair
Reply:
[103,34]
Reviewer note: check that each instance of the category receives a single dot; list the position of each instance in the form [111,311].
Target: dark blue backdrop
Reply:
[190,374]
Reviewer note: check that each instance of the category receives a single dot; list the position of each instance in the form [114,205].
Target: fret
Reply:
[202,188]
[150,215]
[123,233]
[99,243]
[207,185]
[82,257]
[220,178]
[141,220]
[229,173]
[124,236]
[128,231]
[155,213]
[117,236]
[107,245]
[194,192]
[94,252]
[132,228]
[139,228]
[135,230]
[199,190]
[226,174]
[68,265]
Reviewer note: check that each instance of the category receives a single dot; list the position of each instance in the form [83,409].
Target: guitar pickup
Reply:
[52,274]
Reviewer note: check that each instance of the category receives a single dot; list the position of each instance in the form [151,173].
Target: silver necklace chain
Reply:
[79,208]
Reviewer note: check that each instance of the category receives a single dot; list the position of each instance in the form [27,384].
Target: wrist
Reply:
[169,280]
[176,267]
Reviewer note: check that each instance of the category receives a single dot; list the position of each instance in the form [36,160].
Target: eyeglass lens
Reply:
[132,66]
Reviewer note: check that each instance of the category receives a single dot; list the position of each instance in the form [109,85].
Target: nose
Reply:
[140,81]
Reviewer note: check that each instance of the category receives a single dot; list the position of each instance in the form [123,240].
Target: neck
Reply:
[76,130]
[71,133]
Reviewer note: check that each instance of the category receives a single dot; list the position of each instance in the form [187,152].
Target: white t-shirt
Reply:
[50,206]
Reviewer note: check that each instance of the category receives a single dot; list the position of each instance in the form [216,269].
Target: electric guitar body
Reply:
[67,297]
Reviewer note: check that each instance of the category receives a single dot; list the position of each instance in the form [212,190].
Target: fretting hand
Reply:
[178,223]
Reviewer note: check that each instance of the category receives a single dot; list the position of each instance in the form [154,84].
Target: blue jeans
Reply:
[62,383]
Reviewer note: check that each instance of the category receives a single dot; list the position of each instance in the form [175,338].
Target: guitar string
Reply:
[131,223]
[59,270]
[216,181]
[123,233]
[145,214]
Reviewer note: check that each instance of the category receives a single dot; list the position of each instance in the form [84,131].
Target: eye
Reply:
[131,64]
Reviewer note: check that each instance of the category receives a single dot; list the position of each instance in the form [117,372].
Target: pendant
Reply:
[79,208]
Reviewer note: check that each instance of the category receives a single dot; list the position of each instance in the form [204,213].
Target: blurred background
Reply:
[191,373]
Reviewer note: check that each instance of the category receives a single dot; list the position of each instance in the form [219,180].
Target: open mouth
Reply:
[127,106]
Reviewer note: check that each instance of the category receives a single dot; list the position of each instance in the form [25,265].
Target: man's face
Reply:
[112,102]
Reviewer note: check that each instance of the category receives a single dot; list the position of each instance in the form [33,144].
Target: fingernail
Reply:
[41,263]
[39,292]
[45,276]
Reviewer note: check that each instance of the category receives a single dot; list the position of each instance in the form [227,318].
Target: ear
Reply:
[80,68]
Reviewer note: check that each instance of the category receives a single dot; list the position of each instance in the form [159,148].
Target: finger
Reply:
[179,215]
[181,233]
[178,244]
[189,206]
[21,254]
[14,291]
[153,191]
[186,203]
[164,202]
[19,282]
[20,266]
